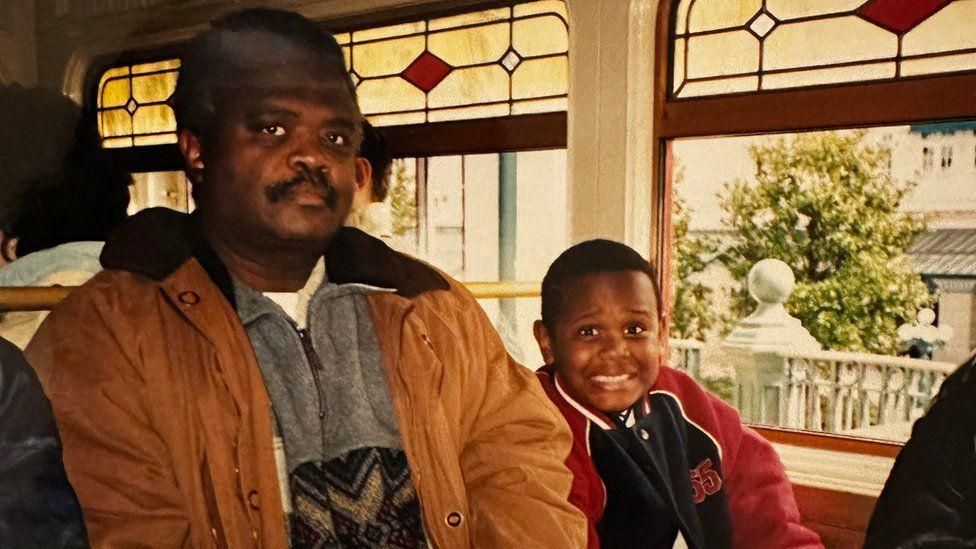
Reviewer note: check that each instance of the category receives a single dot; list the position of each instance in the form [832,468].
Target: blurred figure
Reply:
[370,213]
[59,224]
[38,507]
[930,496]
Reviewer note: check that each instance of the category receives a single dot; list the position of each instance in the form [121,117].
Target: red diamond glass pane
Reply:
[900,16]
[426,71]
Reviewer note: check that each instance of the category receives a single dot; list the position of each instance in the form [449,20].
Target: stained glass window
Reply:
[497,62]
[723,47]
[132,109]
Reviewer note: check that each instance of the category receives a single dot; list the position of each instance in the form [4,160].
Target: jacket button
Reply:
[189,298]
[254,499]
[644,434]
[454,519]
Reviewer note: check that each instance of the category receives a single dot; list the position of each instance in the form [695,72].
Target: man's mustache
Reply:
[316,177]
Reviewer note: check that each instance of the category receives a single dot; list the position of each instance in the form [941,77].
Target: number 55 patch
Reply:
[705,481]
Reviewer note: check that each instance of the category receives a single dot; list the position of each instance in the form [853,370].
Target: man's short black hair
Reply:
[219,57]
[374,149]
[592,256]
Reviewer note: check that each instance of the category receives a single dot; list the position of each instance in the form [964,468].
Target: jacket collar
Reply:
[627,418]
[154,243]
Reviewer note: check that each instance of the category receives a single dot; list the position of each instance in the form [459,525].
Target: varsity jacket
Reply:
[679,461]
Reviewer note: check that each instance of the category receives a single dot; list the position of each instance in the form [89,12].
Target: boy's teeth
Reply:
[610,379]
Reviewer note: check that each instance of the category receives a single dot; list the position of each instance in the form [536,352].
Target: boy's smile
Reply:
[604,343]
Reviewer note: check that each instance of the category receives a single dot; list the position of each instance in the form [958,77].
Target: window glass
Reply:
[484,218]
[733,47]
[131,104]
[870,301]
[489,63]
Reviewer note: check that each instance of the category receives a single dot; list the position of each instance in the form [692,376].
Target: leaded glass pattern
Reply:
[726,47]
[132,108]
[497,62]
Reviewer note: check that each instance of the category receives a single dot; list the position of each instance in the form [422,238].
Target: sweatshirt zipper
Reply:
[315,364]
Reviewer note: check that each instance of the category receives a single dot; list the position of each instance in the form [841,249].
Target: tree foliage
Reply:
[693,314]
[827,205]
[403,198]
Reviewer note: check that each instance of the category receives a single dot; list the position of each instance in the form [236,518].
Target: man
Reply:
[930,498]
[255,359]
[38,508]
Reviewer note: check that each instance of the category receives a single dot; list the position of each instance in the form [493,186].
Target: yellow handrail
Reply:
[44,298]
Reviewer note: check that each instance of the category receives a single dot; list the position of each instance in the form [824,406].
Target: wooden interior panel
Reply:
[840,518]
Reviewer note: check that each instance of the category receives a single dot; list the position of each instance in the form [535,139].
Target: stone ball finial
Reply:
[771,281]
[925,316]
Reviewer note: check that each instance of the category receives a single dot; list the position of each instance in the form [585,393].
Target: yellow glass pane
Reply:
[389,95]
[154,87]
[164,139]
[540,77]
[346,52]
[388,32]
[540,36]
[952,28]
[470,46]
[115,122]
[546,6]
[681,18]
[108,75]
[343,38]
[792,9]
[114,93]
[721,14]
[387,57]
[486,16]
[471,85]
[732,52]
[466,113]
[679,63]
[117,142]
[814,77]
[718,87]
[837,40]
[153,119]
[935,65]
[539,105]
[164,65]
[397,119]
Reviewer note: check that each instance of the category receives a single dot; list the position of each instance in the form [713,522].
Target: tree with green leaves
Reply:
[827,205]
[693,313]
[403,198]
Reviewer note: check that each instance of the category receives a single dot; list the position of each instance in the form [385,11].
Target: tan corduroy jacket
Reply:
[167,428]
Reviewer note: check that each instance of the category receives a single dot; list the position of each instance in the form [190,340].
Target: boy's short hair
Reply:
[592,256]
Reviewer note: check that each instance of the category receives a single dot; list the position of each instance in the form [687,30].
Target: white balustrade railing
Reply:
[836,392]
[686,355]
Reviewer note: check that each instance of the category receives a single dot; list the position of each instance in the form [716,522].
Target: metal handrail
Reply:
[44,298]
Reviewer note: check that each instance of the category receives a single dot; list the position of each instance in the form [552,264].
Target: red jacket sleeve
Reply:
[764,512]
[761,501]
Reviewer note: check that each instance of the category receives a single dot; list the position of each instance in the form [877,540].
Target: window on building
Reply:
[825,183]
[946,156]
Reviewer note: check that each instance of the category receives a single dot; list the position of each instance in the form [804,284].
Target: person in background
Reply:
[38,507]
[929,499]
[255,374]
[655,456]
[60,225]
[370,213]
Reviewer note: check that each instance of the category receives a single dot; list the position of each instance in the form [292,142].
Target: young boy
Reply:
[654,454]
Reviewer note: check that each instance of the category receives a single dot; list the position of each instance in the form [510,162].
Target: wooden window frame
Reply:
[912,100]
